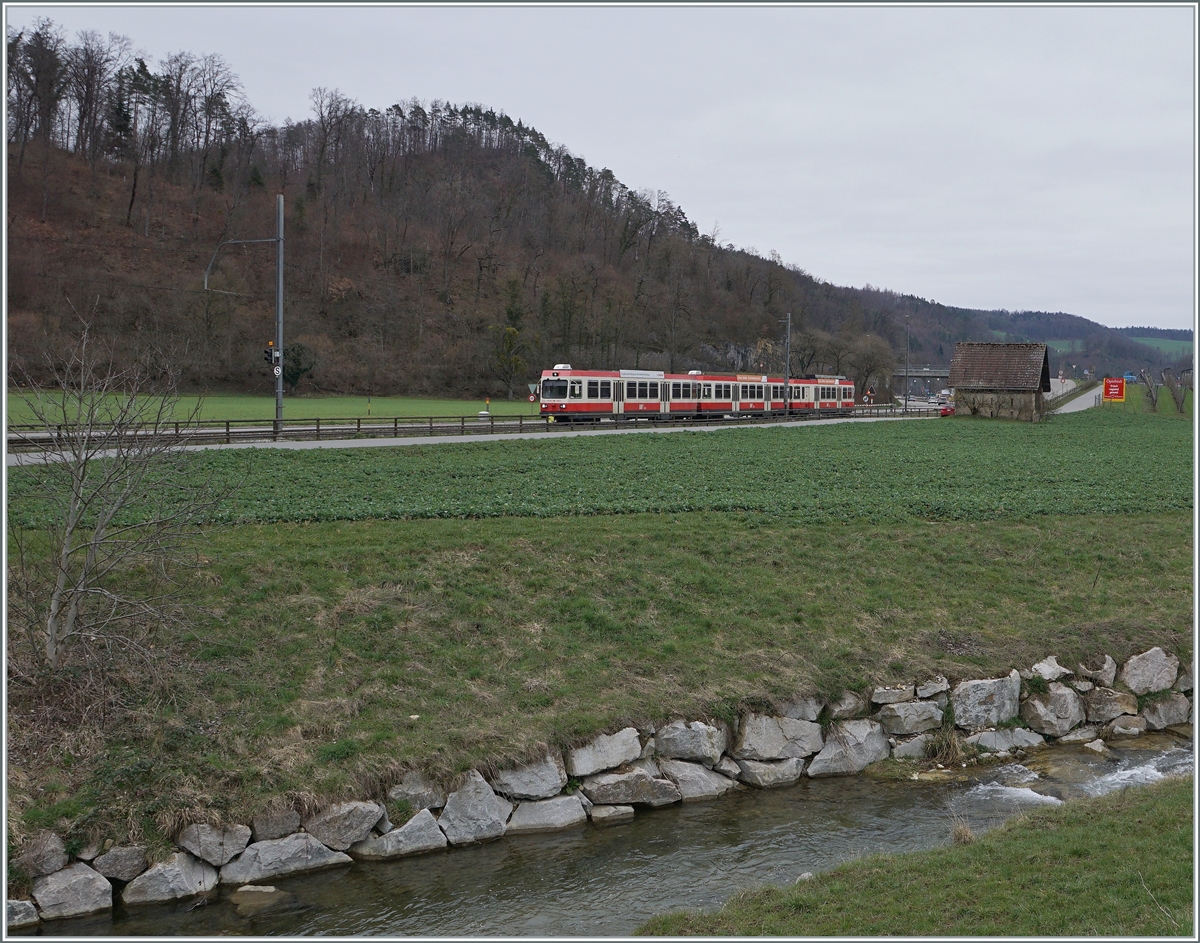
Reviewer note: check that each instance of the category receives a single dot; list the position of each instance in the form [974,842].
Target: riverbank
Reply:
[1113,866]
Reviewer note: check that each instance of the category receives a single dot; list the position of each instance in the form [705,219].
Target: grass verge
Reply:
[1115,866]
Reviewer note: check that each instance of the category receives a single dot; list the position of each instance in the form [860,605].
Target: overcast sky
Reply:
[1028,158]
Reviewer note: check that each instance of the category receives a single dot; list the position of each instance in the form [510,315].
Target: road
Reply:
[1079,403]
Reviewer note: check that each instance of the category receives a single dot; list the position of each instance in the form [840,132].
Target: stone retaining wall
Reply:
[608,779]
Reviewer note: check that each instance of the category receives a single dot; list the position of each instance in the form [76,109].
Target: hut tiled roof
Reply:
[1024,367]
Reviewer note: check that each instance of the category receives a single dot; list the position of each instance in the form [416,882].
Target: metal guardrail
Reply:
[1055,401]
[24,438]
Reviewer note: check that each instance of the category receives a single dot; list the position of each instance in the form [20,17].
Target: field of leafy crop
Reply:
[885,472]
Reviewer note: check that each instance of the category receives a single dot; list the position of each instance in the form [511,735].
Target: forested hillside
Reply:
[430,248]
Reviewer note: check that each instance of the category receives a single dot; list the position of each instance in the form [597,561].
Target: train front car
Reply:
[569,395]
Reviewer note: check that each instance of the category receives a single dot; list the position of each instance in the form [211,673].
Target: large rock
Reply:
[70,892]
[894,694]
[1050,669]
[804,707]
[1184,681]
[913,749]
[901,719]
[214,845]
[769,774]
[279,856]
[611,814]
[1104,676]
[45,853]
[694,741]
[607,751]
[986,703]
[1080,735]
[695,781]
[851,746]
[849,704]
[1055,712]
[1105,704]
[344,823]
[776,738]
[1150,671]
[635,787]
[933,688]
[474,813]
[548,815]
[122,864]
[1125,726]
[419,834]
[1163,713]
[268,825]
[181,875]
[21,913]
[418,791]
[539,780]
[1005,740]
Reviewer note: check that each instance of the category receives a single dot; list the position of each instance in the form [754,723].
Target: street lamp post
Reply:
[907,348]
[787,365]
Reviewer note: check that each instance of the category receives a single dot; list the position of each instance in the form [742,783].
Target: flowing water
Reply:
[608,881]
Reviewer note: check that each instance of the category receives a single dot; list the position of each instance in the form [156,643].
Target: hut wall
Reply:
[1000,404]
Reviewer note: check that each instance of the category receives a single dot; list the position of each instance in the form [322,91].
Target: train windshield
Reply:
[554,389]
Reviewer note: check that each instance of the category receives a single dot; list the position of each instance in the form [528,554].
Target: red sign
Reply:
[1114,389]
[533,397]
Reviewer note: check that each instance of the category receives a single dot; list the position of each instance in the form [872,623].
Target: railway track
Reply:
[30,438]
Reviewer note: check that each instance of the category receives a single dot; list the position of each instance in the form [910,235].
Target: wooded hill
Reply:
[430,248]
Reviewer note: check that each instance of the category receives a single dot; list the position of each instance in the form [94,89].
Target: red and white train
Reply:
[583,395]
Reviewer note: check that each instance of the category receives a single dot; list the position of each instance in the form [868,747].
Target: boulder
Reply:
[1104,676]
[849,704]
[900,719]
[122,864]
[89,852]
[635,787]
[648,765]
[1055,712]
[547,815]
[269,825]
[1167,711]
[252,899]
[932,688]
[45,853]
[767,774]
[776,738]
[384,825]
[1104,704]
[1097,746]
[1184,681]
[21,913]
[1051,670]
[343,823]
[474,813]
[694,741]
[913,749]
[695,781]
[71,892]
[418,791]
[611,814]
[986,703]
[279,856]
[1150,671]
[1125,726]
[1005,740]
[851,746]
[419,834]
[727,767]
[181,875]
[1081,735]
[647,747]
[1082,686]
[804,708]
[894,694]
[539,780]
[214,845]
[607,751]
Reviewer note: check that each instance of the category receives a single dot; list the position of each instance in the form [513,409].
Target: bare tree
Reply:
[110,513]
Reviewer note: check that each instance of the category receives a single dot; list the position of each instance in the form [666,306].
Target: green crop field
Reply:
[360,610]
[1167,345]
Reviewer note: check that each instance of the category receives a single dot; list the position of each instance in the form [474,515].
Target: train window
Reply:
[631,389]
[675,393]
[554,389]
[606,389]
[760,389]
[576,389]
[593,389]
[653,392]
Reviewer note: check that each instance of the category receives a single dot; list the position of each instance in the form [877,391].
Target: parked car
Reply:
[947,411]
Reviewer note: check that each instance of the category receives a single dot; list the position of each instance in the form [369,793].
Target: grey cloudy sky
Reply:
[1028,158]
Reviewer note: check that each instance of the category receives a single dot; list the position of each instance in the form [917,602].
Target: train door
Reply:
[618,403]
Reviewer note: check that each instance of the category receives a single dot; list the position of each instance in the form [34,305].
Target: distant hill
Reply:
[430,248]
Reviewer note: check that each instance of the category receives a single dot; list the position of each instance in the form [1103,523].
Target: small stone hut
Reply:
[1005,381]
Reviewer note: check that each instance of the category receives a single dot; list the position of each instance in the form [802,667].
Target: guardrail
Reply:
[24,438]
[1055,401]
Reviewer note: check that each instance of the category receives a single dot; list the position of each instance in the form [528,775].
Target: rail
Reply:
[1055,401]
[30,437]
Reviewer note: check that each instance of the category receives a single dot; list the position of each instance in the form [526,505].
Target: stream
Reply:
[608,881]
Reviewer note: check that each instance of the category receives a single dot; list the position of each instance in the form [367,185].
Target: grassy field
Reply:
[1117,866]
[1167,345]
[228,406]
[512,595]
